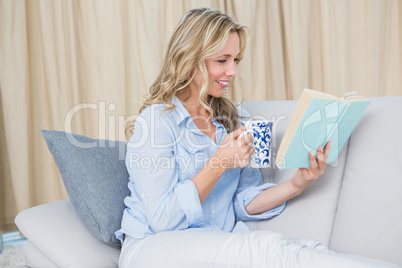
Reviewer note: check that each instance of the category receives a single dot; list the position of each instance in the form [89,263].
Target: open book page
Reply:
[353,96]
[319,95]
[349,95]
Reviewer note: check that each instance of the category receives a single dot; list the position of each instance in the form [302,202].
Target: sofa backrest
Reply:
[369,218]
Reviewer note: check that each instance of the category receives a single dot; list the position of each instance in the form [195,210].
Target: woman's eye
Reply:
[236,60]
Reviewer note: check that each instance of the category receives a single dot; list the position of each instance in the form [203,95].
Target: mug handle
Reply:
[246,131]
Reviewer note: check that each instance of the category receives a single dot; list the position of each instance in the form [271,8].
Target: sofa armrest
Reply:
[56,230]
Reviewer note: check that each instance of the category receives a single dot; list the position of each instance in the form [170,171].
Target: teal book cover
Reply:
[324,120]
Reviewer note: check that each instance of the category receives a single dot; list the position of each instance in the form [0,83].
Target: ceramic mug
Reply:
[261,130]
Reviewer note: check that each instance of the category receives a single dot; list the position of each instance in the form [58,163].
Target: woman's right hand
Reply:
[234,151]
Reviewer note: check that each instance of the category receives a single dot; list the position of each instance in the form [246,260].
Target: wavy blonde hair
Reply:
[200,34]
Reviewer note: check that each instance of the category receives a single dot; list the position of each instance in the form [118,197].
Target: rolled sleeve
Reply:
[245,197]
[188,198]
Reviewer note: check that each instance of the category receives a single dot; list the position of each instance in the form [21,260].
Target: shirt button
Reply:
[143,195]
[213,212]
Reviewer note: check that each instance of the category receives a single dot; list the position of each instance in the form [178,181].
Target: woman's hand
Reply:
[305,176]
[234,151]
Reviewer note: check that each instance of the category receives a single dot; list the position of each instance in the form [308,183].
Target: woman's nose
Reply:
[231,70]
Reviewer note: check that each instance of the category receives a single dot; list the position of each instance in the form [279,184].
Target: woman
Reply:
[189,169]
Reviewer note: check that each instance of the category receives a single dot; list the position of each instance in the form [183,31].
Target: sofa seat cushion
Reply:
[95,176]
[56,231]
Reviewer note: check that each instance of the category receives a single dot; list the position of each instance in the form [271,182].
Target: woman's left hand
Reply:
[305,176]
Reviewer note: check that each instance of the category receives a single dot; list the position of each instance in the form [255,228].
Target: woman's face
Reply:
[221,67]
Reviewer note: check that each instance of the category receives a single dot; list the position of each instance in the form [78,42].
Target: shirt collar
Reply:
[180,113]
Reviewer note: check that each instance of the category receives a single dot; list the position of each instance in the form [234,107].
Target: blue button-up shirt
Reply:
[165,152]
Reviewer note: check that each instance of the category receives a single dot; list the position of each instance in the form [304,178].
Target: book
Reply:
[319,118]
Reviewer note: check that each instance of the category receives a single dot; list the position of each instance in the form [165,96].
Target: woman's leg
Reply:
[192,248]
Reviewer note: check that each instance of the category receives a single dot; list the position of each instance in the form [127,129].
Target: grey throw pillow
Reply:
[95,176]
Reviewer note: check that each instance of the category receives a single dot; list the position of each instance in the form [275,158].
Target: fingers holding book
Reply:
[319,163]
[305,176]
[322,156]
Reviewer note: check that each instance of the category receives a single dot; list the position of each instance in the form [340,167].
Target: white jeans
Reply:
[192,248]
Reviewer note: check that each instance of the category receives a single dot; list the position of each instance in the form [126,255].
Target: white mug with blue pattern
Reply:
[261,130]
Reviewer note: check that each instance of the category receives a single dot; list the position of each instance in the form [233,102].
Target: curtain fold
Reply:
[84,66]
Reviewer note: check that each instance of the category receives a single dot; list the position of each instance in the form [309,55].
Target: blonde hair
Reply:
[200,34]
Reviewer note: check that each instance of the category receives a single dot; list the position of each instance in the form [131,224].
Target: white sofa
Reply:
[355,207]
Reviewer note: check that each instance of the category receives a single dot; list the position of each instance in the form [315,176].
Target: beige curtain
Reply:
[85,66]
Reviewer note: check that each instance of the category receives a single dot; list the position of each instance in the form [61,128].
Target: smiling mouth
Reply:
[225,83]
